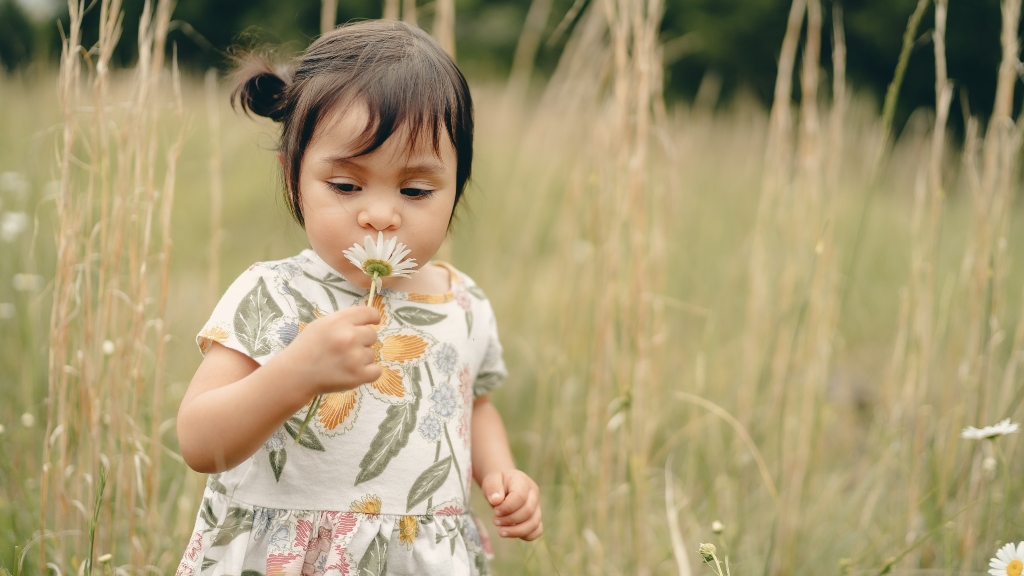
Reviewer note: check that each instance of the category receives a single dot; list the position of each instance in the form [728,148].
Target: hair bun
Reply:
[260,89]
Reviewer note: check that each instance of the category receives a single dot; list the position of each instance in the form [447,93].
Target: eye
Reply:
[416,192]
[344,187]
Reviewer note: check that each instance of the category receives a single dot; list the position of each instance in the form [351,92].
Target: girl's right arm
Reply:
[233,404]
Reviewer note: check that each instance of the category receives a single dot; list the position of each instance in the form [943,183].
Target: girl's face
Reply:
[402,189]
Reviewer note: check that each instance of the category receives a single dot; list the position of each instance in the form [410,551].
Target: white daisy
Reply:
[1000,429]
[379,259]
[1009,561]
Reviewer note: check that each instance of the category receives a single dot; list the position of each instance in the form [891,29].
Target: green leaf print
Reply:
[214,483]
[418,316]
[237,522]
[251,573]
[254,318]
[277,460]
[305,308]
[469,321]
[375,561]
[429,481]
[308,439]
[207,562]
[476,291]
[485,382]
[392,434]
[332,282]
[207,514]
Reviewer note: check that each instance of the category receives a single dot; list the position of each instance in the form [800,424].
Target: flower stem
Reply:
[319,397]
[373,289]
[309,416]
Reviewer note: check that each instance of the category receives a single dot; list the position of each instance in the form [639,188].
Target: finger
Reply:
[365,335]
[513,501]
[520,530]
[372,373]
[363,315]
[493,488]
[520,515]
[536,533]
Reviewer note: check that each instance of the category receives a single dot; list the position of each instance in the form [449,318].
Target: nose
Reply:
[380,214]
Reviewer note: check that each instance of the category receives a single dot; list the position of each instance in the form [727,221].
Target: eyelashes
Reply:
[416,192]
[348,188]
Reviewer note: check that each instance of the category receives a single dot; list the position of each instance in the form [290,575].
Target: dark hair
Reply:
[402,75]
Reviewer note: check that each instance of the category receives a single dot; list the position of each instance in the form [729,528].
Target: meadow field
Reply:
[761,328]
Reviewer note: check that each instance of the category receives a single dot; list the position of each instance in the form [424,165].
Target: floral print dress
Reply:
[379,481]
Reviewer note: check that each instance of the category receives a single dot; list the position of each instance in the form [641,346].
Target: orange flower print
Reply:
[379,305]
[337,411]
[407,530]
[209,335]
[369,504]
[392,351]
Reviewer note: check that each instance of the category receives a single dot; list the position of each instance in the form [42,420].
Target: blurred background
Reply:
[731,45]
[756,266]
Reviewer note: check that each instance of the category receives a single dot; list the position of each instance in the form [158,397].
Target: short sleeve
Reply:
[492,372]
[253,316]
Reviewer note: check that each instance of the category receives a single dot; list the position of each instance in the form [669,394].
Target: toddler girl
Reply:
[376,146]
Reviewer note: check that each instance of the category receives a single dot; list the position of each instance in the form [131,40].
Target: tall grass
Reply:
[700,322]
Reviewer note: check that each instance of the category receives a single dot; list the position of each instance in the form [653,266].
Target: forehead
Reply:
[347,131]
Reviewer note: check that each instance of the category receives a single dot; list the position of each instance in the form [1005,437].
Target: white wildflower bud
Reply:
[707,552]
[28,420]
[108,348]
[12,224]
[104,559]
[989,465]
[15,184]
[717,527]
[27,282]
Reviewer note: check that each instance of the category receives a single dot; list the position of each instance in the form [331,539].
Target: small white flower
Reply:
[15,184]
[1001,429]
[104,559]
[989,464]
[27,282]
[12,224]
[108,348]
[379,259]
[717,527]
[707,552]
[28,420]
[1009,561]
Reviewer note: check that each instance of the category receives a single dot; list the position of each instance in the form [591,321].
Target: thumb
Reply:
[493,488]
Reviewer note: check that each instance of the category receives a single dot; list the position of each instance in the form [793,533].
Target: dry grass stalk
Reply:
[213,98]
[107,332]
[409,11]
[526,52]
[391,9]
[328,15]
[444,25]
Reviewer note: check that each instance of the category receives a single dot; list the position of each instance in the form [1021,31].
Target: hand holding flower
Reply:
[377,260]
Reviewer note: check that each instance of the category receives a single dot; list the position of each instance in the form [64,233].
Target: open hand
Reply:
[516,501]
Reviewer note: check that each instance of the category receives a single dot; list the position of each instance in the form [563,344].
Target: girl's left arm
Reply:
[514,496]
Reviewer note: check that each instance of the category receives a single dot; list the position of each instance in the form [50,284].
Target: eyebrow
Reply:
[424,168]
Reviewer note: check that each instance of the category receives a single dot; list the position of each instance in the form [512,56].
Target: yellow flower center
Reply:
[1014,568]
[378,268]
